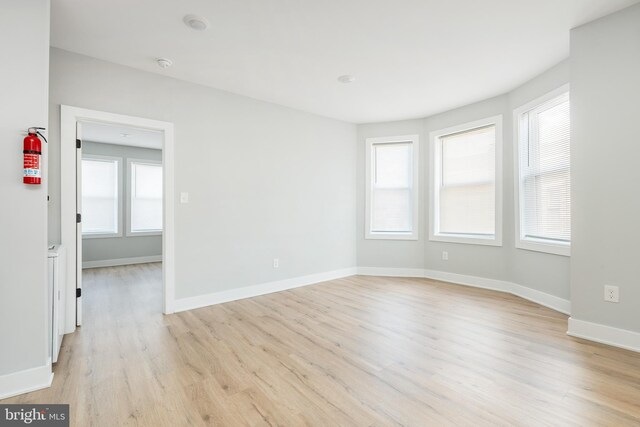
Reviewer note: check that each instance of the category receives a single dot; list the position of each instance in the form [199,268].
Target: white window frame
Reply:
[118,160]
[538,245]
[128,230]
[435,148]
[414,140]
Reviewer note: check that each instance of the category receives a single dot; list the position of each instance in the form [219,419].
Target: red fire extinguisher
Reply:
[32,151]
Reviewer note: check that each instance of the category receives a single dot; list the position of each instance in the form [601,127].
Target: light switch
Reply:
[184,197]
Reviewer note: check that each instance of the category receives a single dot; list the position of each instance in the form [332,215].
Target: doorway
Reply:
[120,174]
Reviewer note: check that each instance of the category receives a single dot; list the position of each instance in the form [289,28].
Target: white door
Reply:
[78,224]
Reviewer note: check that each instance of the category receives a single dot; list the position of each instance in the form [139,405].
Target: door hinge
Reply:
[78,143]
[78,218]
[78,292]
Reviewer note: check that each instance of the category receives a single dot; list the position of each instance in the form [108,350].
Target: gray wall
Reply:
[264,181]
[543,272]
[390,253]
[126,246]
[474,260]
[605,145]
[23,236]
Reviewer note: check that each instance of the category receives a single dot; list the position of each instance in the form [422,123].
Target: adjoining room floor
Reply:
[359,351]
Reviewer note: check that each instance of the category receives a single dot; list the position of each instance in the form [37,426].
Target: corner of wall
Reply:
[25,381]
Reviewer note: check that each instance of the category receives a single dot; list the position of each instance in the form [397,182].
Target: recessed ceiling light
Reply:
[347,78]
[164,62]
[195,22]
[125,135]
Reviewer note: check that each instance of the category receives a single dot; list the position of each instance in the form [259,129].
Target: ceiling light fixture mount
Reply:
[196,22]
[347,78]
[164,62]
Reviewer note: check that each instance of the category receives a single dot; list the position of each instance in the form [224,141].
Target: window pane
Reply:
[549,194]
[467,192]
[392,165]
[468,209]
[469,157]
[552,150]
[544,171]
[146,197]
[99,196]
[391,210]
[392,194]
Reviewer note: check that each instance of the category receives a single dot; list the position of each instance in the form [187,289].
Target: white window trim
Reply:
[85,235]
[434,167]
[538,245]
[128,231]
[414,140]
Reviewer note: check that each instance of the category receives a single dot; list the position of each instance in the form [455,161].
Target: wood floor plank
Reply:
[359,351]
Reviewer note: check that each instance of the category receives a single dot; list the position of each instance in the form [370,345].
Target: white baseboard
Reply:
[474,281]
[190,303]
[542,298]
[604,334]
[121,261]
[25,381]
[551,301]
[391,272]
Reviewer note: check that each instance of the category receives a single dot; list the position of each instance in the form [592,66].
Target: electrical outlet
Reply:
[611,293]
[445,256]
[276,263]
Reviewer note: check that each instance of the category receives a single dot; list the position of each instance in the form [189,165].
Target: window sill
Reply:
[544,246]
[144,233]
[101,235]
[390,236]
[466,239]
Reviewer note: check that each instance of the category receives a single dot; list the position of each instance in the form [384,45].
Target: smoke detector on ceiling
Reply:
[347,78]
[164,62]
[195,22]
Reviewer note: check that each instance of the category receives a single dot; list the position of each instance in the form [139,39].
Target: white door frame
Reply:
[69,116]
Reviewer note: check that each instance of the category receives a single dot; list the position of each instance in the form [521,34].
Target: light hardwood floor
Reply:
[359,351]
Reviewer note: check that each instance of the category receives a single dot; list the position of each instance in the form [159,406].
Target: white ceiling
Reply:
[113,134]
[411,58]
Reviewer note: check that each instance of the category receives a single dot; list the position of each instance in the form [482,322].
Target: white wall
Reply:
[264,181]
[543,272]
[114,248]
[24,43]
[605,174]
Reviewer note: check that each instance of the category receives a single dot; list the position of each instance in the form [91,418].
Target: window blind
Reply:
[146,197]
[545,186]
[467,184]
[545,171]
[392,193]
[99,196]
